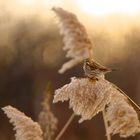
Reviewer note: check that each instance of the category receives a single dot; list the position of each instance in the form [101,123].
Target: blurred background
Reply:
[31,54]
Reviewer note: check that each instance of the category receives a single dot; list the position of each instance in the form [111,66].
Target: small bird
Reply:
[94,70]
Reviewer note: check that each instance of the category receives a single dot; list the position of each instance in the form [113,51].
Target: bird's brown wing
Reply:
[100,67]
[104,69]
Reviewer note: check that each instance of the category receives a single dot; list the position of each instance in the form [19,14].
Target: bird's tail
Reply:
[114,69]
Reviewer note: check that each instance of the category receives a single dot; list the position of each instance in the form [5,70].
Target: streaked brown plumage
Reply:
[95,70]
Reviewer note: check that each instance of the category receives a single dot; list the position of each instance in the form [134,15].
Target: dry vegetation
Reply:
[30,54]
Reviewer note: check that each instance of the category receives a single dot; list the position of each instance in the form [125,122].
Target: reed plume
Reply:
[122,117]
[75,38]
[86,97]
[25,127]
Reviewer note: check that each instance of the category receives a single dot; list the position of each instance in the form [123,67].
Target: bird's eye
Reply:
[88,63]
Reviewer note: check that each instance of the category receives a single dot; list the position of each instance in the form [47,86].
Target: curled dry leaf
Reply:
[86,97]
[122,117]
[25,128]
[75,38]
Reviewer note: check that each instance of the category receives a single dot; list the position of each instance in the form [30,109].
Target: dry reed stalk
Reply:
[65,127]
[106,125]
[47,120]
[133,102]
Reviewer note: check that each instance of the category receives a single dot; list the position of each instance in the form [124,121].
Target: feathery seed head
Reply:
[86,97]
[25,128]
[122,117]
[75,38]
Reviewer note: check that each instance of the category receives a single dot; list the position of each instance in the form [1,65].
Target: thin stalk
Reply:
[106,126]
[126,96]
[65,127]
[132,101]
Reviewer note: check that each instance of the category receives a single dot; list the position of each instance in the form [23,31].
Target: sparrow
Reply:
[94,70]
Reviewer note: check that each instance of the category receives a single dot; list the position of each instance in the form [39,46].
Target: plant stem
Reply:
[106,125]
[132,101]
[126,96]
[65,127]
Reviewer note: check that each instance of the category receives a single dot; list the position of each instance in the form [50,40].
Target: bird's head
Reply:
[88,61]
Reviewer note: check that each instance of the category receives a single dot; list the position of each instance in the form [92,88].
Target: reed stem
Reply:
[138,107]
[106,125]
[65,127]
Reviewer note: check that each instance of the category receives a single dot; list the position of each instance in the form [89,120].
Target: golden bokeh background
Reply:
[31,54]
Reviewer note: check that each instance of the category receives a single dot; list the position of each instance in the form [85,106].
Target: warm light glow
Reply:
[43,3]
[51,3]
[27,2]
[104,7]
